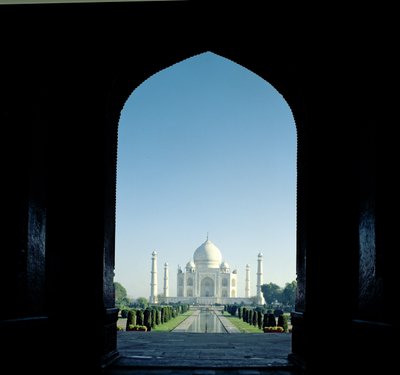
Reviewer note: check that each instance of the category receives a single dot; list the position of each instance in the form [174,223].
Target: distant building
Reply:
[206,279]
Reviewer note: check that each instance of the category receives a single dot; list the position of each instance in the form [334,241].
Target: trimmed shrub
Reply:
[137,328]
[147,318]
[245,314]
[265,320]
[139,317]
[162,315]
[153,317]
[254,318]
[274,329]
[271,320]
[124,313]
[231,309]
[283,322]
[131,318]
[259,319]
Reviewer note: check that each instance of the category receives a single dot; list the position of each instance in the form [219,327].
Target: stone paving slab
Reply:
[192,371]
[201,350]
[229,326]
[182,353]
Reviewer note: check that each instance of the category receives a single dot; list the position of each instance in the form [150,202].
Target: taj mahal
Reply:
[206,279]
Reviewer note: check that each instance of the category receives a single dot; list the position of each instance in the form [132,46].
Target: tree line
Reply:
[122,301]
[276,296]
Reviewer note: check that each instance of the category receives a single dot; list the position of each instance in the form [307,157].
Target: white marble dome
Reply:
[207,255]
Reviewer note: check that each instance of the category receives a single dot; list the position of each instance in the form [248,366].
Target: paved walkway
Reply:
[229,326]
[183,353]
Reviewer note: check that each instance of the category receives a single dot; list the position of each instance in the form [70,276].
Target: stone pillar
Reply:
[247,282]
[153,283]
[260,298]
[166,282]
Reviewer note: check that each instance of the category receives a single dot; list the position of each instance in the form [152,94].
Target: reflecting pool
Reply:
[207,321]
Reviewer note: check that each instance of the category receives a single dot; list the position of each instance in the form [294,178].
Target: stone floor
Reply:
[194,371]
[199,353]
[180,352]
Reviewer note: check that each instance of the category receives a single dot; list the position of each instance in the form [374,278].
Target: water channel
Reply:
[207,321]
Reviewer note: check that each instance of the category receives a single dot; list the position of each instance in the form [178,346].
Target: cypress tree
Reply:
[147,319]
[139,317]
[259,319]
[254,318]
[131,319]
[271,320]
[265,320]
[162,315]
[153,317]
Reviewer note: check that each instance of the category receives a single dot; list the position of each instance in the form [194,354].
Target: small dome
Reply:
[224,265]
[154,253]
[207,255]
[190,264]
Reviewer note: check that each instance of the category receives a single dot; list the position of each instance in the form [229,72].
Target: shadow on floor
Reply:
[197,353]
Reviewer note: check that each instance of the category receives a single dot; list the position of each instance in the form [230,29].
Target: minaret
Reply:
[260,298]
[247,282]
[166,286]
[153,283]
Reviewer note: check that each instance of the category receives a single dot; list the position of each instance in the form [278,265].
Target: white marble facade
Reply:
[207,276]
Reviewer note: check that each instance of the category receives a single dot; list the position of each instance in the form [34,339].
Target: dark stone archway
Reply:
[61,98]
[276,72]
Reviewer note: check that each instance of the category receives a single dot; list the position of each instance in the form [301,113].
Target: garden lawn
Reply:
[242,326]
[172,323]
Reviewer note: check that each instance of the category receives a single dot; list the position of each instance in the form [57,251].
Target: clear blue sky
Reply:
[205,146]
